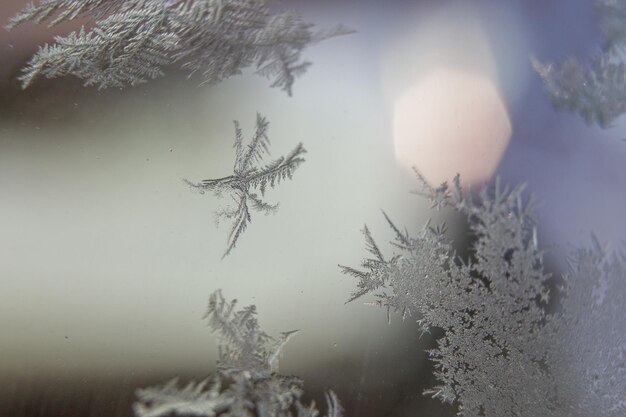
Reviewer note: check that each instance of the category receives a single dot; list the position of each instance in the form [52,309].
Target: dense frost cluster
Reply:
[502,352]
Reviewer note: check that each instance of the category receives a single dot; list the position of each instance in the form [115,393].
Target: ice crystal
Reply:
[133,40]
[243,344]
[502,354]
[249,176]
[596,91]
[245,385]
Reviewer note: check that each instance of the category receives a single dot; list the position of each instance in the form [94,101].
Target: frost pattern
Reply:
[245,384]
[498,356]
[589,334]
[134,39]
[596,91]
[248,176]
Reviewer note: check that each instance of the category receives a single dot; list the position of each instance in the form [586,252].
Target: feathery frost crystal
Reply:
[245,385]
[248,176]
[597,91]
[133,40]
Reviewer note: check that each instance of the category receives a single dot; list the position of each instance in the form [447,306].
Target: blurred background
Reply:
[107,258]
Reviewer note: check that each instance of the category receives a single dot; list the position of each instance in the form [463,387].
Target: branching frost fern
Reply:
[133,40]
[246,383]
[597,91]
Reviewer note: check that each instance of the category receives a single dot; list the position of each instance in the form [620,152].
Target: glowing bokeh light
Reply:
[449,122]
